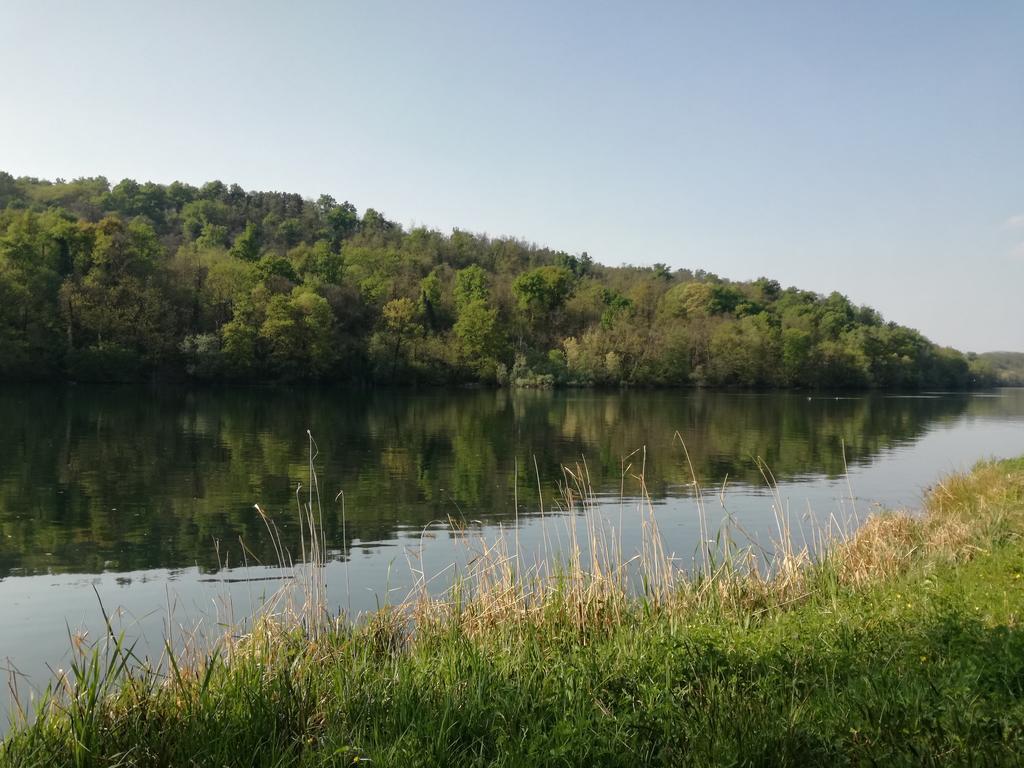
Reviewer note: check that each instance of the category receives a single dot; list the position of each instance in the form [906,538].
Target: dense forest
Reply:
[101,282]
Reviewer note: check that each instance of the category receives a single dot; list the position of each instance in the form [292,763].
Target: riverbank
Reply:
[901,646]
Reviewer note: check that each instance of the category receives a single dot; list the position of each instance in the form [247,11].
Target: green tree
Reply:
[431,291]
[340,222]
[540,295]
[471,285]
[248,243]
[476,331]
[239,338]
[398,330]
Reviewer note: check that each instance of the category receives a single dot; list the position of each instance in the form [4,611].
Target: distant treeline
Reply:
[214,282]
[1006,368]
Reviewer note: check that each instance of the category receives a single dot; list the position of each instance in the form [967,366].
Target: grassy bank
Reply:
[901,646]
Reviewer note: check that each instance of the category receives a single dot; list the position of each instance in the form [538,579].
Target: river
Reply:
[142,498]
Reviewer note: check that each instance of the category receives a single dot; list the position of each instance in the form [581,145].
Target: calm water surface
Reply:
[146,495]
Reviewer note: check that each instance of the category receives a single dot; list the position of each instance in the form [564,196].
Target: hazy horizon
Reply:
[868,149]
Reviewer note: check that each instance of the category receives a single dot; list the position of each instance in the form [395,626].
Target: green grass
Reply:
[893,650]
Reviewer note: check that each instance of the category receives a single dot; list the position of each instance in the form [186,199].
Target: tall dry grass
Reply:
[582,586]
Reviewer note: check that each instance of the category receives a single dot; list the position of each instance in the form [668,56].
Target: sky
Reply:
[872,148]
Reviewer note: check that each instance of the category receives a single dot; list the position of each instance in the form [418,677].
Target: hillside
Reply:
[1006,368]
[214,282]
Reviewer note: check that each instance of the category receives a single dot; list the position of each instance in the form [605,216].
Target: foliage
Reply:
[1005,367]
[214,282]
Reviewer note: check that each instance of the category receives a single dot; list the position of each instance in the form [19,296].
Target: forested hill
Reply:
[1004,367]
[147,280]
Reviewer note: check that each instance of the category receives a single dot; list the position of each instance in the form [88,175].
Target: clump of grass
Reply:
[899,644]
[965,515]
[885,545]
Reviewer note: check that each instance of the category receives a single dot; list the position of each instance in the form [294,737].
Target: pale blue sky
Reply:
[875,148]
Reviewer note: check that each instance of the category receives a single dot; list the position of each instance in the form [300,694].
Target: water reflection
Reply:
[129,479]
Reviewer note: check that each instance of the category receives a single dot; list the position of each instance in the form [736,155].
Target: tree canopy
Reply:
[117,282]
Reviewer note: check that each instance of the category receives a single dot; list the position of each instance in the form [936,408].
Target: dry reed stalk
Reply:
[591,592]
